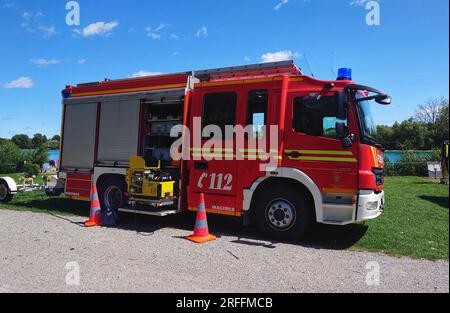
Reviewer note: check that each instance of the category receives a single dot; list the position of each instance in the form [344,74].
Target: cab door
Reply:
[212,166]
[311,145]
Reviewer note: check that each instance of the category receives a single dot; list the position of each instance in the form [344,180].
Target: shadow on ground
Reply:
[441,201]
[320,237]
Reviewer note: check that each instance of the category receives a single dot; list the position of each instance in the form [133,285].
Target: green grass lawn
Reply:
[415,223]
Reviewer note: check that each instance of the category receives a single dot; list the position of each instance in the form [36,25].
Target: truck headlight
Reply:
[372,206]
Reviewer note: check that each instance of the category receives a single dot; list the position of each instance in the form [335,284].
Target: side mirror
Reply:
[342,132]
[341,103]
[384,100]
[347,142]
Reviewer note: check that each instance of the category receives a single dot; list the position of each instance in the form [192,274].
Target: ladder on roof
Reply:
[282,67]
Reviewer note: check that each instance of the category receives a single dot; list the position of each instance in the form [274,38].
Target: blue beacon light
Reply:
[344,74]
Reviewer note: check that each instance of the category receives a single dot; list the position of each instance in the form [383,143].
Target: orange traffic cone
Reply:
[95,216]
[201,232]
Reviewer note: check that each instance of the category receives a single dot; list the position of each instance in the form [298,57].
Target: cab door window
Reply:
[257,105]
[316,118]
[220,109]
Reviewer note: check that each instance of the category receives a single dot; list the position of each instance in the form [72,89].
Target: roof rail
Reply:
[282,67]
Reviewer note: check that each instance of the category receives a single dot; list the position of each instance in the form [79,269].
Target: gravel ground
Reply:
[35,249]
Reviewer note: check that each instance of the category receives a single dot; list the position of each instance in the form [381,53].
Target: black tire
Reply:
[53,193]
[111,193]
[5,194]
[283,214]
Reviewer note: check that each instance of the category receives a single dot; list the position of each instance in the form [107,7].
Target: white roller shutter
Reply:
[119,131]
[79,136]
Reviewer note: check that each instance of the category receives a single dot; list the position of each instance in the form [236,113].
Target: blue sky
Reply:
[406,56]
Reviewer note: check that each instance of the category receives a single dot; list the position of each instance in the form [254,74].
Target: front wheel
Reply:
[283,214]
[5,194]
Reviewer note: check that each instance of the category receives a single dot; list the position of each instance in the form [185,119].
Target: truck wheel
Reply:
[111,193]
[53,193]
[283,214]
[5,194]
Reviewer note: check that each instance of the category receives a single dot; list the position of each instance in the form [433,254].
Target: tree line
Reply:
[24,154]
[426,130]
[24,142]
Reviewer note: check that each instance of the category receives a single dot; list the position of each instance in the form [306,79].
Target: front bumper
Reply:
[370,205]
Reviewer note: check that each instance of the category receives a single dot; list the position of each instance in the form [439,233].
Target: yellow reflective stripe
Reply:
[326,159]
[250,157]
[375,156]
[257,151]
[321,152]
[211,150]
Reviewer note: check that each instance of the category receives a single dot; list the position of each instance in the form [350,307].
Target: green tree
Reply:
[9,156]
[22,141]
[442,125]
[56,138]
[53,144]
[40,155]
[385,136]
[38,140]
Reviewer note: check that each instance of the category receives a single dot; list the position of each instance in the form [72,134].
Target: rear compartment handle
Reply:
[203,166]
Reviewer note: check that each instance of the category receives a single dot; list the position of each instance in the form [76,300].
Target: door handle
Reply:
[294,154]
[202,166]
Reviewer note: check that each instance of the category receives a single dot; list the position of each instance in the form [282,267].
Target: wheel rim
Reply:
[3,192]
[113,197]
[281,214]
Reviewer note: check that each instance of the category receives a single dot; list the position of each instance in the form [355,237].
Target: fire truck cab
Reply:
[309,153]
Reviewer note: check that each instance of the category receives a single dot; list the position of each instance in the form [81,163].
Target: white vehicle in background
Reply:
[9,187]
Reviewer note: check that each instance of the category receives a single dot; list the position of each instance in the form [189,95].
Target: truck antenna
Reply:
[309,66]
[332,64]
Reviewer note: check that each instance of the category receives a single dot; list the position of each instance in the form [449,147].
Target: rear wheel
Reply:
[5,194]
[112,197]
[283,214]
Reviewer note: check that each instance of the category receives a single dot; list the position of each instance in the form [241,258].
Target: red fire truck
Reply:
[328,169]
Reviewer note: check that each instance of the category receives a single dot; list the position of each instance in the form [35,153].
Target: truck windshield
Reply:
[368,126]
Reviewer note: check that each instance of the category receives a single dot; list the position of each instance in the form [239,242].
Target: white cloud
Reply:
[81,61]
[281,4]
[174,36]
[44,62]
[175,53]
[154,36]
[154,33]
[283,55]
[203,31]
[161,27]
[47,31]
[27,16]
[247,59]
[144,73]
[21,82]
[97,29]
[31,23]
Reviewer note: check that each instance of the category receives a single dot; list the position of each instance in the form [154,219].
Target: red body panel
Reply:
[78,185]
[371,158]
[130,85]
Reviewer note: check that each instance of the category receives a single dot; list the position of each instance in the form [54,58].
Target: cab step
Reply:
[146,210]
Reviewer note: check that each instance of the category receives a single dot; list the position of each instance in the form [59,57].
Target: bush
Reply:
[10,155]
[31,170]
[40,155]
[411,164]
